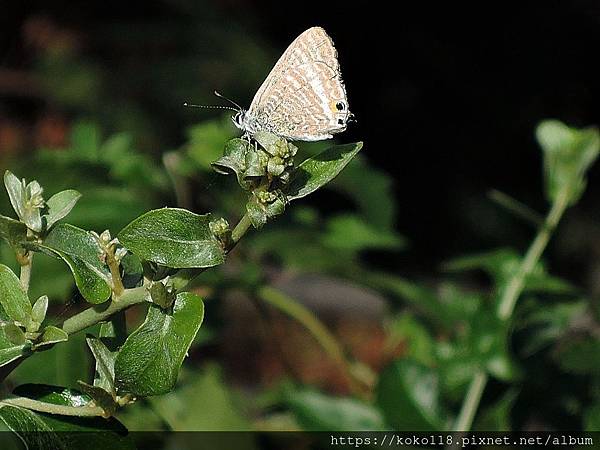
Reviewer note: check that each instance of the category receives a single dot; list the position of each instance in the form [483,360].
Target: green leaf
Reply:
[149,361]
[105,364]
[568,154]
[59,205]
[234,157]
[33,431]
[114,332]
[174,238]
[101,397]
[133,271]
[256,212]
[319,170]
[16,192]
[52,335]
[9,351]
[56,395]
[275,208]
[32,206]
[407,393]
[502,264]
[13,298]
[45,431]
[318,412]
[38,313]
[12,231]
[14,333]
[81,252]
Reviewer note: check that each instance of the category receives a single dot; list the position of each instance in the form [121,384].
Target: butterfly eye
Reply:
[339,106]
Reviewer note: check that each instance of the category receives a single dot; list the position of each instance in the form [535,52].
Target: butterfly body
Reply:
[303,97]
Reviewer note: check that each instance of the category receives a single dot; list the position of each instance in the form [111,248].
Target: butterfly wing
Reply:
[303,97]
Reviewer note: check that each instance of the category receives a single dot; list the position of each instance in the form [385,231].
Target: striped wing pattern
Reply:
[303,97]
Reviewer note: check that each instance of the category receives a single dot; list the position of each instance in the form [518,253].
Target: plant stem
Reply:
[471,402]
[240,229]
[515,285]
[115,274]
[35,405]
[25,275]
[304,316]
[509,299]
[93,315]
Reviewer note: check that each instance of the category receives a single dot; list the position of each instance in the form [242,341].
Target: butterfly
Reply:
[303,97]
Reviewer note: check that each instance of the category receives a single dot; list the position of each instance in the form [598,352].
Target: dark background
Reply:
[447,97]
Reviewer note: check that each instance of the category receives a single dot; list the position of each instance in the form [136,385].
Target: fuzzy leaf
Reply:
[59,205]
[81,252]
[16,192]
[256,213]
[174,238]
[15,334]
[149,361]
[105,364]
[234,157]
[50,432]
[102,398]
[319,170]
[12,231]
[13,298]
[9,351]
[52,335]
[38,313]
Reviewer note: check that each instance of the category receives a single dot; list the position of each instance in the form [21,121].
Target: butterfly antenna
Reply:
[218,94]
[191,105]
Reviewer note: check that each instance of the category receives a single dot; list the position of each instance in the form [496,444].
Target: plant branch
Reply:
[509,298]
[239,231]
[25,275]
[471,401]
[45,407]
[95,314]
[517,282]
[117,281]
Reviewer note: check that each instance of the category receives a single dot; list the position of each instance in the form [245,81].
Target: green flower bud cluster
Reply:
[270,156]
[222,231]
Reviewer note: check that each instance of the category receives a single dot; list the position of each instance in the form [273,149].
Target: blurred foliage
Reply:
[436,336]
